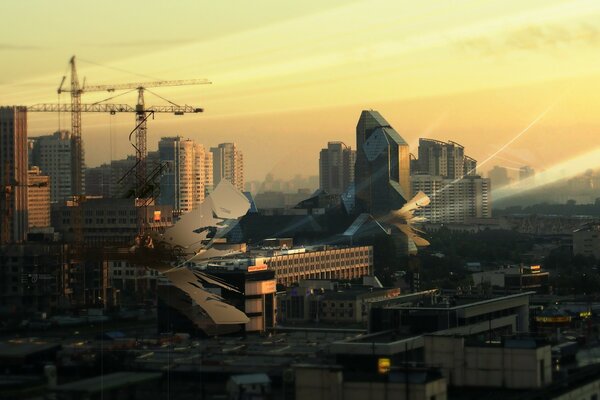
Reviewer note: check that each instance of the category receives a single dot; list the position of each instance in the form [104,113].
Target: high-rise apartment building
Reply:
[449,177]
[183,184]
[53,154]
[208,172]
[228,163]
[13,174]
[453,200]
[382,169]
[336,168]
[38,199]
[446,159]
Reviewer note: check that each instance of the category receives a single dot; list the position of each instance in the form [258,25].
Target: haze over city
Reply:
[287,76]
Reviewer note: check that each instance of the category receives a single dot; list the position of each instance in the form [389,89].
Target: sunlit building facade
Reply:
[13,174]
[228,163]
[38,199]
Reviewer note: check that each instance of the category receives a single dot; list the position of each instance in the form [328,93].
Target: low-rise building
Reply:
[515,279]
[329,301]
[586,240]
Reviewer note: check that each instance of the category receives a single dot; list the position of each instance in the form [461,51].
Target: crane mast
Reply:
[141,117]
[77,153]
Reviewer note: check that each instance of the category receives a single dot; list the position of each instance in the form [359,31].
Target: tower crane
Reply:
[141,115]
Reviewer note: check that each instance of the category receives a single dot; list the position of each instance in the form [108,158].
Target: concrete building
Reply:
[336,168]
[53,154]
[445,159]
[228,163]
[292,265]
[382,170]
[586,240]
[182,186]
[38,199]
[13,174]
[111,221]
[334,382]
[330,301]
[397,326]
[32,277]
[513,363]
[453,201]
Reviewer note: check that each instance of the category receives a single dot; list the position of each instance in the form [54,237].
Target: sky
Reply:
[516,82]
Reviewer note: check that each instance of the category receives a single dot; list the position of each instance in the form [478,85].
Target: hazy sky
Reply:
[290,76]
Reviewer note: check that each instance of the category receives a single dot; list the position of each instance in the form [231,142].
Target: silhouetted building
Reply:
[526,172]
[586,240]
[13,174]
[382,170]
[228,163]
[111,221]
[54,155]
[38,199]
[499,176]
[336,168]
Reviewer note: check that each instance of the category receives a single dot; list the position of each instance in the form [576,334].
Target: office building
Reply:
[382,170]
[499,176]
[319,262]
[453,201]
[13,174]
[53,154]
[228,163]
[38,199]
[182,185]
[336,168]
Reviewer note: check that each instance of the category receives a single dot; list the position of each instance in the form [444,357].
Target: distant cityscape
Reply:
[381,275]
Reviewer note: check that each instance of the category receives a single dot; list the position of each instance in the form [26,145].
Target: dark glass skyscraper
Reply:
[382,170]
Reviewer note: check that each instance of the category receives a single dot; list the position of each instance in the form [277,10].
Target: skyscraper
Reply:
[228,163]
[382,170]
[336,168]
[182,186]
[38,199]
[13,174]
[53,154]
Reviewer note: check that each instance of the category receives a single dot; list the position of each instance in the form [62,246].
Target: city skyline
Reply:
[437,72]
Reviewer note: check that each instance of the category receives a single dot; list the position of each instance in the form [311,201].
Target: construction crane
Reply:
[141,112]
[142,185]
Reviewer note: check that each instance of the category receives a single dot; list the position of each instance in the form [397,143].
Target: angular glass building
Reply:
[382,170]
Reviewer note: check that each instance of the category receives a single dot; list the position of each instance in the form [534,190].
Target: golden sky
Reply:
[290,76]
